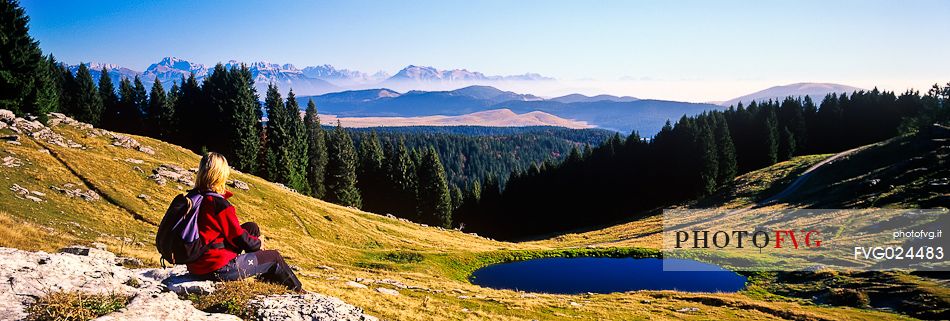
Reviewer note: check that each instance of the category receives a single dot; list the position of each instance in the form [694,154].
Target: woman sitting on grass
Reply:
[218,224]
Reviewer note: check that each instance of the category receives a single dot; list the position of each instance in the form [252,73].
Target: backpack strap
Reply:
[213,244]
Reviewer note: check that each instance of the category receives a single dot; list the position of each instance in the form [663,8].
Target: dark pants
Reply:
[266,265]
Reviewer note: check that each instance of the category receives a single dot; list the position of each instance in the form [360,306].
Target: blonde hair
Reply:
[213,173]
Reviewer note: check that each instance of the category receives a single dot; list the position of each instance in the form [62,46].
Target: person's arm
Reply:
[235,235]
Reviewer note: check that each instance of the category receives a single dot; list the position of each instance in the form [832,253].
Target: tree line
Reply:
[688,159]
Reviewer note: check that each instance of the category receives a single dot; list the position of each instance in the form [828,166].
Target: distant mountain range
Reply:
[313,80]
[623,114]
[457,92]
[816,91]
[415,77]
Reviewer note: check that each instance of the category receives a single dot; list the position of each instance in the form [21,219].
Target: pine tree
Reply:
[786,146]
[277,167]
[435,202]
[316,151]
[401,171]
[244,121]
[174,94]
[47,90]
[708,156]
[727,151]
[21,66]
[770,138]
[140,99]
[458,197]
[188,114]
[227,116]
[110,113]
[792,117]
[212,125]
[160,112]
[370,174]
[87,106]
[297,144]
[341,170]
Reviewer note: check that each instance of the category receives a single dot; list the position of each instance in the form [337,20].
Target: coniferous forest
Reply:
[690,159]
[505,183]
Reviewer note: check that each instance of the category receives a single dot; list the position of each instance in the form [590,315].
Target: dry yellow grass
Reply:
[313,233]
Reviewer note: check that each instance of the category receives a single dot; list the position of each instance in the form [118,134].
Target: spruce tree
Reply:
[133,102]
[709,158]
[110,113]
[278,166]
[457,198]
[401,172]
[341,170]
[435,203]
[769,137]
[370,174]
[791,116]
[297,146]
[87,105]
[244,121]
[140,99]
[174,94]
[727,151]
[69,90]
[160,113]
[786,146]
[47,90]
[124,105]
[217,93]
[188,116]
[20,61]
[316,151]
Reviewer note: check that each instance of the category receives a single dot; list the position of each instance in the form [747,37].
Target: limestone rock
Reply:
[174,173]
[90,252]
[310,306]
[70,191]
[7,116]
[387,291]
[124,141]
[239,184]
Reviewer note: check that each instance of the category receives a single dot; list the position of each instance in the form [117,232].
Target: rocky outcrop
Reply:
[306,307]
[70,190]
[32,274]
[37,130]
[172,173]
[154,292]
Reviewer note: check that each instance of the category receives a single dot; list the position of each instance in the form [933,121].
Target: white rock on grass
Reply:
[355,285]
[387,291]
[239,184]
[301,307]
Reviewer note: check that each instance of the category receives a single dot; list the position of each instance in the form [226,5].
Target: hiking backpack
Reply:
[177,239]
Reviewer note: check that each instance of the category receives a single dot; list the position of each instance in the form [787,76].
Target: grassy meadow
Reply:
[333,245]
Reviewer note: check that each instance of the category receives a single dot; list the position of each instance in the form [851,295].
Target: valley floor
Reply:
[73,184]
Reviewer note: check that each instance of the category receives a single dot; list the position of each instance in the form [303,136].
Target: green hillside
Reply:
[46,173]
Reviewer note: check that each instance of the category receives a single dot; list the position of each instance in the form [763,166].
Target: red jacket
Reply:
[218,223]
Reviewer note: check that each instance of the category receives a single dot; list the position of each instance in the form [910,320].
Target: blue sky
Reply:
[690,50]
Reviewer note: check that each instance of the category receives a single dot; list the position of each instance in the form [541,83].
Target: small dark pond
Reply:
[606,275]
